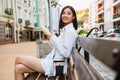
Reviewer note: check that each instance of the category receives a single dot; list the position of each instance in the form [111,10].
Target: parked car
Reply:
[98,34]
[113,33]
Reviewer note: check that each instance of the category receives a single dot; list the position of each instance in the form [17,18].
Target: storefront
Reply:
[27,34]
[30,34]
[6,33]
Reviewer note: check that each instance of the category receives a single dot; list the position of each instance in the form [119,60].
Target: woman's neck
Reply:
[67,24]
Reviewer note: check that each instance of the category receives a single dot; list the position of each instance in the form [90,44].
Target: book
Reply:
[45,30]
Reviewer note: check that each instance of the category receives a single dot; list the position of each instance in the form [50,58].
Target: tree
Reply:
[54,4]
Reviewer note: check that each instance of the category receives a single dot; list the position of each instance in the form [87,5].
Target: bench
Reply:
[107,50]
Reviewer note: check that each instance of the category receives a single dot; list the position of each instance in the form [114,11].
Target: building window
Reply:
[7,7]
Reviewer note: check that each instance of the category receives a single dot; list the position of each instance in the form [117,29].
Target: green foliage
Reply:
[54,4]
[80,22]
[100,20]
[82,32]
[118,15]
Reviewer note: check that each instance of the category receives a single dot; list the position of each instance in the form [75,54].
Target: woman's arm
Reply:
[63,48]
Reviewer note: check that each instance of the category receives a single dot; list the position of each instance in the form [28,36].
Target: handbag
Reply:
[59,67]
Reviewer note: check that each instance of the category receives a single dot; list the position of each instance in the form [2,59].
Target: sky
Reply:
[77,4]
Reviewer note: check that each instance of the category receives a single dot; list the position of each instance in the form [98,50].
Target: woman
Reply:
[61,47]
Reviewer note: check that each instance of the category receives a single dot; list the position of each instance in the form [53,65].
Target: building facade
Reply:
[20,20]
[105,16]
[30,15]
[24,19]
[6,22]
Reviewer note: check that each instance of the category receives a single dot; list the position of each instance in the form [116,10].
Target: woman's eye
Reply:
[69,13]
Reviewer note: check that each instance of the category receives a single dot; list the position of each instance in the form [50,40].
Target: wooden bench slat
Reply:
[82,67]
[34,75]
[31,76]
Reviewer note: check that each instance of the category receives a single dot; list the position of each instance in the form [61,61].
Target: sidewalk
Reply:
[8,53]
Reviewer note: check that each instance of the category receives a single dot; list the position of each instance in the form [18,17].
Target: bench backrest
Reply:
[106,50]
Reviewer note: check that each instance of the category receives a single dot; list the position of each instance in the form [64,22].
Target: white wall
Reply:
[1,8]
[108,15]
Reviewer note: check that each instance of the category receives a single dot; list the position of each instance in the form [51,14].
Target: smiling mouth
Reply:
[65,19]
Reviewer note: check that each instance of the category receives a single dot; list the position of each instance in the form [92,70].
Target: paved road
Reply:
[8,53]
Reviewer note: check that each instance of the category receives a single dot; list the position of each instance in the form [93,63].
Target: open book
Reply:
[45,30]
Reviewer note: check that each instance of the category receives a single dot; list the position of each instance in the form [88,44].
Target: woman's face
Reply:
[67,16]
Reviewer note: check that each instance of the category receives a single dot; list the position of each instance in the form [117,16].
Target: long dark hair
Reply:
[75,24]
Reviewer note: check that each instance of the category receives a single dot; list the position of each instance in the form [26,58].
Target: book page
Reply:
[45,30]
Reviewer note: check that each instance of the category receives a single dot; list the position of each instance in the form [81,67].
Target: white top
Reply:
[61,48]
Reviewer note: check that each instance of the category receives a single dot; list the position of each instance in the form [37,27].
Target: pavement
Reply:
[9,52]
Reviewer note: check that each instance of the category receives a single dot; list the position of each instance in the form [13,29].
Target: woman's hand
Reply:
[48,36]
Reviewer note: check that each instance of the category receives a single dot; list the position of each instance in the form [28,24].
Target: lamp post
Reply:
[50,15]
